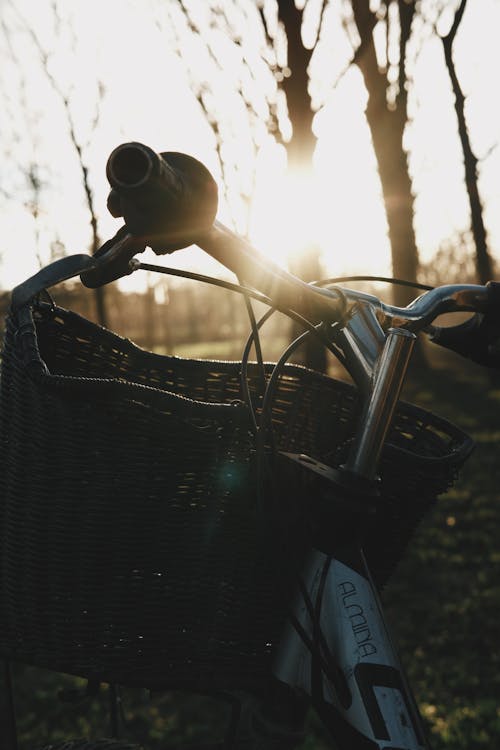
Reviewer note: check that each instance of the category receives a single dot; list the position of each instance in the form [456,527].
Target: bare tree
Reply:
[288,109]
[78,142]
[231,65]
[484,263]
[29,169]
[293,81]
[271,83]
[387,115]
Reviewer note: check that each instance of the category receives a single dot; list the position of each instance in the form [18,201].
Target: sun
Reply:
[339,213]
[336,203]
[283,220]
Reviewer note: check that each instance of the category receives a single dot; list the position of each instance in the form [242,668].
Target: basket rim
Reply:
[460,444]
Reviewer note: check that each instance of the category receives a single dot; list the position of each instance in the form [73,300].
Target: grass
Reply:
[226,349]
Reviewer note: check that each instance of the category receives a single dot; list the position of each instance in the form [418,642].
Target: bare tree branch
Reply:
[324,6]
[76,142]
[406,15]
[265,26]
[31,172]
[457,20]
[65,101]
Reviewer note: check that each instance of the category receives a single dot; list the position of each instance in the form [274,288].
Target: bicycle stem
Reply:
[379,407]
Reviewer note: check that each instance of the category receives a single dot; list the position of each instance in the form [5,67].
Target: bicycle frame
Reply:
[366,702]
[369,705]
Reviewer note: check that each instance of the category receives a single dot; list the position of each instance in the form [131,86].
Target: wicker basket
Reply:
[132,551]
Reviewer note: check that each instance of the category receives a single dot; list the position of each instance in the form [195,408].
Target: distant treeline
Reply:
[187,318]
[198,320]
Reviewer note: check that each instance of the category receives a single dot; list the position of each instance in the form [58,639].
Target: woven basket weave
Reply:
[131,548]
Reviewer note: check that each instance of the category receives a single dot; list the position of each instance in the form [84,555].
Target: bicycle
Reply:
[258,503]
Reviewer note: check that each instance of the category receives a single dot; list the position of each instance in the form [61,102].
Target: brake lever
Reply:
[478,338]
[112,260]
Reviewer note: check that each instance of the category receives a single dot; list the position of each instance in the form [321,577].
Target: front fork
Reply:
[336,646]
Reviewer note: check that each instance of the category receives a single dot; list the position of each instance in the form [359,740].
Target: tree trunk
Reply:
[300,149]
[387,127]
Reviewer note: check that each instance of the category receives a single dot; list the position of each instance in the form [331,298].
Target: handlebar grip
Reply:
[478,338]
[134,169]
[167,198]
[167,201]
[115,255]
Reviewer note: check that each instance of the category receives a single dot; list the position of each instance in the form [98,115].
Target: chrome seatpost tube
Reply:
[379,408]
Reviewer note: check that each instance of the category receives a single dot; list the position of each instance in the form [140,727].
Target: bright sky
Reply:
[147,99]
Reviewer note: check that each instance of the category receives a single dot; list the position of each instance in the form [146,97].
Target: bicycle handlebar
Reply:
[284,289]
[169,201]
[423,310]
